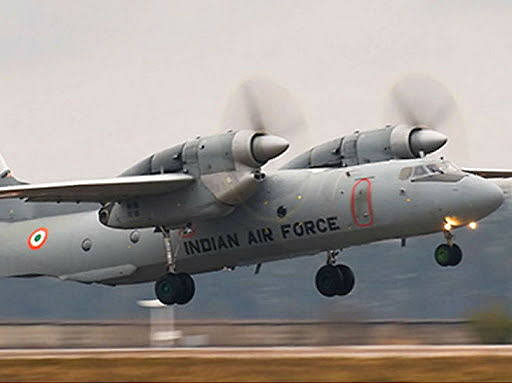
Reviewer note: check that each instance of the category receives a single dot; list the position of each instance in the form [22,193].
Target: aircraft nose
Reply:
[485,196]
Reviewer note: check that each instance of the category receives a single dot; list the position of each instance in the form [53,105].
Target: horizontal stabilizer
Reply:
[100,190]
[489,173]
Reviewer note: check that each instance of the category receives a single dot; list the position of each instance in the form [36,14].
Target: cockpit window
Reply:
[441,171]
[434,168]
[420,171]
[405,173]
[449,167]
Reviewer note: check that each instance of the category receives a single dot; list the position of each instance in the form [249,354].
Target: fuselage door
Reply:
[361,203]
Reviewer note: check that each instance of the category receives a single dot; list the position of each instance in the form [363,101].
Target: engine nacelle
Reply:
[212,154]
[226,169]
[391,142]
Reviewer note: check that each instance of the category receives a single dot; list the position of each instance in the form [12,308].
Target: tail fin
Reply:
[6,177]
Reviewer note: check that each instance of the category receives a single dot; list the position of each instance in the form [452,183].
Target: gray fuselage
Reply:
[293,213]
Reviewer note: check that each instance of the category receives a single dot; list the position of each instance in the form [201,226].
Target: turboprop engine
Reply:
[226,169]
[391,142]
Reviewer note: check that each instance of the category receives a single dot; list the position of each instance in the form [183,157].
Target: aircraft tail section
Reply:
[6,177]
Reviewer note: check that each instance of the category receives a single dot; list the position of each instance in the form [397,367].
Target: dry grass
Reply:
[258,369]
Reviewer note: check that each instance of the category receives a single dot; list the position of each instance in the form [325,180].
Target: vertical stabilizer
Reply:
[4,168]
[6,177]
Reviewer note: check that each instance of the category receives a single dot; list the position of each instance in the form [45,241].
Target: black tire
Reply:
[327,280]
[167,289]
[442,255]
[455,255]
[187,288]
[347,280]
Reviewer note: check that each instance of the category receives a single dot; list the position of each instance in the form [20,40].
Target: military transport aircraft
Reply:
[207,204]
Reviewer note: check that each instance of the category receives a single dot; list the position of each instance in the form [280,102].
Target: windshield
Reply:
[440,171]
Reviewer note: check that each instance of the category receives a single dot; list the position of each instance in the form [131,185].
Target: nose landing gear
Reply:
[448,254]
[334,280]
[173,288]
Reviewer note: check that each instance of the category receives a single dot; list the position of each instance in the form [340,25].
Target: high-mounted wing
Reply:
[101,190]
[489,173]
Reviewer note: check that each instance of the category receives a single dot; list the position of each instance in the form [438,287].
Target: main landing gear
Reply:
[173,288]
[449,254]
[334,280]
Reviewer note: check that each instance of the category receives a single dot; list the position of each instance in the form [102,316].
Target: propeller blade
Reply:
[262,106]
[418,100]
[421,101]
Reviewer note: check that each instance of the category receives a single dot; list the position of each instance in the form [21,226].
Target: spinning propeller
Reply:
[417,101]
[259,105]
[420,101]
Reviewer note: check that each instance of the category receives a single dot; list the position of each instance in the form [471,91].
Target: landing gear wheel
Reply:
[188,288]
[348,280]
[334,280]
[166,289]
[326,280]
[442,255]
[455,256]
[448,255]
[175,289]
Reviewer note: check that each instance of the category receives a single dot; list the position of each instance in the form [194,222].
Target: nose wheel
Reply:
[334,280]
[449,254]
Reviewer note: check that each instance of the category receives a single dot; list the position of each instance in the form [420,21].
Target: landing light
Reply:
[447,226]
[473,225]
[453,221]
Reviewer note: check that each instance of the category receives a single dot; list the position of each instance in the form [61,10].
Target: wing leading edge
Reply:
[489,173]
[100,190]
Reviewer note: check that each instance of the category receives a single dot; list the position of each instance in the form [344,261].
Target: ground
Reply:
[247,369]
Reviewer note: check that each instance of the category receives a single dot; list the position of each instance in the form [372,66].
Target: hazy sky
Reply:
[89,87]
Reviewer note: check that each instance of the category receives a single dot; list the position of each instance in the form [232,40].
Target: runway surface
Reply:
[382,363]
[366,352]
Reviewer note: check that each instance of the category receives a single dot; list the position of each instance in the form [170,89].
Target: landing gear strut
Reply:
[171,259]
[448,254]
[332,279]
[173,288]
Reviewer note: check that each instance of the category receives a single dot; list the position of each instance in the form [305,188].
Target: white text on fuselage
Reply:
[260,236]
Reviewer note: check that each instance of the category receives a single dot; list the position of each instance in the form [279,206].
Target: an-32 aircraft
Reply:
[206,204]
